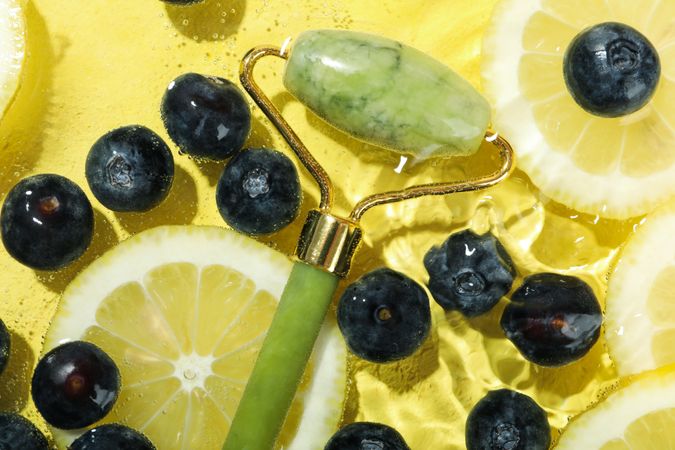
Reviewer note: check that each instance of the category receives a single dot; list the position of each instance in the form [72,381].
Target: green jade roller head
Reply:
[384,93]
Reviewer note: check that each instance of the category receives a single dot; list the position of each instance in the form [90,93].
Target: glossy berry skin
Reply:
[507,420]
[611,69]
[5,346]
[259,192]
[130,169]
[75,385]
[384,316]
[112,437]
[366,436]
[47,222]
[469,272]
[207,117]
[553,319]
[19,433]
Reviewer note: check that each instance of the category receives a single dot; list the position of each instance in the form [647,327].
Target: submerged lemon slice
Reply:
[183,312]
[612,167]
[12,48]
[640,416]
[640,316]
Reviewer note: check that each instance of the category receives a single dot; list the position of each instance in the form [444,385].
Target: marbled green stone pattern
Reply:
[386,93]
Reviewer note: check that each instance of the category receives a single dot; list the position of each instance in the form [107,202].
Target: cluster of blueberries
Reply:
[552,319]
[610,70]
[47,222]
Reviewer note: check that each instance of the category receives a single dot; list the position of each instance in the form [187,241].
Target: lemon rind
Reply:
[12,51]
[602,424]
[627,324]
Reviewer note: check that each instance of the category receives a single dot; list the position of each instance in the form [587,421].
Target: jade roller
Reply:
[387,94]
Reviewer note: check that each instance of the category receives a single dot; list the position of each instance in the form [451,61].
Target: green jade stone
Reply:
[386,93]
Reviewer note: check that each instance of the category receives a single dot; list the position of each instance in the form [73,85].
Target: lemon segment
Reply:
[616,168]
[12,49]
[640,313]
[640,416]
[183,311]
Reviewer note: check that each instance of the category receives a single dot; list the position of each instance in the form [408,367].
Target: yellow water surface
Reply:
[95,65]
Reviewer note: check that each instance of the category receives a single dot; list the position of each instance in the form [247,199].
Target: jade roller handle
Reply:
[282,359]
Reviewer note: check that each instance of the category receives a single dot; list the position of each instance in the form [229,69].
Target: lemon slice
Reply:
[183,312]
[640,416]
[12,48]
[616,168]
[640,312]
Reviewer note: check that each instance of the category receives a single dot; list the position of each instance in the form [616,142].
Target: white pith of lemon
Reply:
[640,312]
[12,49]
[183,311]
[640,416]
[615,168]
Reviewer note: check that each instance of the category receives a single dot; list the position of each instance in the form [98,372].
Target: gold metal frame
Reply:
[329,241]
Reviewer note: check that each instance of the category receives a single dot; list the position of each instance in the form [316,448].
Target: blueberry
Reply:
[553,319]
[112,437]
[507,420]
[18,433]
[366,436]
[469,272]
[384,316]
[5,345]
[75,385]
[207,117]
[611,69]
[259,192]
[130,169]
[47,222]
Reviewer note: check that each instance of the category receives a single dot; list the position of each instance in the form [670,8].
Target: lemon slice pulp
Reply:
[640,313]
[616,168]
[640,416]
[183,312]
[12,48]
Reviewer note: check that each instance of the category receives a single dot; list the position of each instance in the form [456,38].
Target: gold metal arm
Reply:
[328,241]
[507,160]
[247,80]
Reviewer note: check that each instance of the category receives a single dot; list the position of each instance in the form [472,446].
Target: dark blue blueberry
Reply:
[18,433]
[75,385]
[5,345]
[207,117]
[611,69]
[469,273]
[47,222]
[366,436]
[384,316]
[552,319]
[112,437]
[507,420]
[259,192]
[130,169]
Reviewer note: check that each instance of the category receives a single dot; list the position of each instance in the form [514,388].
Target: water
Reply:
[93,68]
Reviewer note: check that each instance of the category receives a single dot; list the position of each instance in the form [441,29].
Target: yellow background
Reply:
[98,64]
